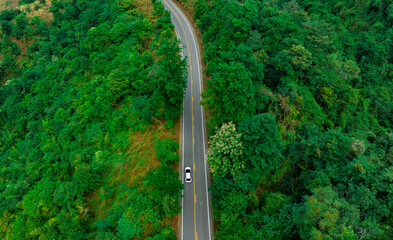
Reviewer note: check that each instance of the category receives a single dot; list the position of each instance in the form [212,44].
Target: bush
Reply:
[7,15]
[166,150]
[6,27]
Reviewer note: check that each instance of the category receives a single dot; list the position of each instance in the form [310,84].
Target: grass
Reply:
[8,4]
[30,9]
[42,12]
[139,160]
[146,8]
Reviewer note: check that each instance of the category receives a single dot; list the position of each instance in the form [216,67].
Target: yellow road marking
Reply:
[192,111]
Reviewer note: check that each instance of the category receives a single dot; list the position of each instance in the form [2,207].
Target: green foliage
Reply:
[166,150]
[326,214]
[69,108]
[169,124]
[8,47]
[232,88]
[165,234]
[274,202]
[26,2]
[7,26]
[21,25]
[170,78]
[8,15]
[165,189]
[262,145]
[308,84]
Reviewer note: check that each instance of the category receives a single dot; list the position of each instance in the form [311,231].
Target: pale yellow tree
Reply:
[226,148]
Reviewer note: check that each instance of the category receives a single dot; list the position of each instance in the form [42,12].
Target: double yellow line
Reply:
[192,112]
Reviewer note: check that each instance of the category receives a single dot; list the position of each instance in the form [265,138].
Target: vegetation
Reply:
[83,102]
[304,151]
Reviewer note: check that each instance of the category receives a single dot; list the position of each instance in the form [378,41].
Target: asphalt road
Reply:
[196,219]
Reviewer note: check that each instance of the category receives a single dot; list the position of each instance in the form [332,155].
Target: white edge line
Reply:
[202,112]
[182,173]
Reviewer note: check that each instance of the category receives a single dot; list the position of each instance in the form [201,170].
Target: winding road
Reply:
[196,217]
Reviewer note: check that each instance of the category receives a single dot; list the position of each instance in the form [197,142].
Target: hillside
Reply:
[300,101]
[90,100]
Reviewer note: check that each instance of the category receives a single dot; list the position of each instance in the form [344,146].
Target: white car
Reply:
[188,174]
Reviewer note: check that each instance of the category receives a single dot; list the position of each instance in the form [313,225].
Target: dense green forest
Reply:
[308,140]
[89,107]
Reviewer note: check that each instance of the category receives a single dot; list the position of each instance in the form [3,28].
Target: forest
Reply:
[90,97]
[305,149]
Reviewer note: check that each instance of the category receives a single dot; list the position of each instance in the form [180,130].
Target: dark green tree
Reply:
[230,94]
[262,144]
[170,78]
[7,26]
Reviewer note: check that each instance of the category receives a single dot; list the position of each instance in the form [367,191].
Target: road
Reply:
[196,218]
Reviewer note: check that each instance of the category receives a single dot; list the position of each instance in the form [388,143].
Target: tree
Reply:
[9,47]
[38,207]
[300,57]
[165,234]
[7,15]
[230,95]
[70,108]
[21,21]
[326,78]
[243,54]
[166,150]
[326,216]
[7,26]
[224,155]
[165,189]
[171,78]
[232,215]
[262,145]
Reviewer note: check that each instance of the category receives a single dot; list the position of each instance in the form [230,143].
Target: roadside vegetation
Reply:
[300,101]
[90,96]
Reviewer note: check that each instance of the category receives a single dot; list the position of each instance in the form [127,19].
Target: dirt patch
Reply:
[147,8]
[39,10]
[8,4]
[33,9]
[139,160]
[23,45]
[140,157]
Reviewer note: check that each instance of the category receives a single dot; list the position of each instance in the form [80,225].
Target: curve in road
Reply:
[196,219]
